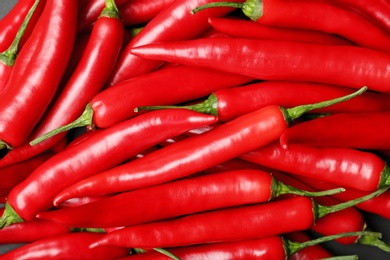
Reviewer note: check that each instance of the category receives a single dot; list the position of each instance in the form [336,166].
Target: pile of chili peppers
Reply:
[195,129]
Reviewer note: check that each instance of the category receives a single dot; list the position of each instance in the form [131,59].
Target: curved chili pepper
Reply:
[116,104]
[197,153]
[230,103]
[66,246]
[348,66]
[136,12]
[14,174]
[30,231]
[342,166]
[273,247]
[379,205]
[164,27]
[97,153]
[348,130]
[8,57]
[197,194]
[11,22]
[37,72]
[248,29]
[91,12]
[244,222]
[313,15]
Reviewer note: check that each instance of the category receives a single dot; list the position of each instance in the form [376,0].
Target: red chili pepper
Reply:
[12,175]
[274,247]
[11,22]
[91,12]
[313,15]
[241,28]
[30,231]
[136,12]
[197,194]
[8,57]
[342,166]
[230,103]
[37,72]
[349,66]
[379,205]
[195,154]
[66,246]
[164,27]
[348,130]
[244,222]
[100,152]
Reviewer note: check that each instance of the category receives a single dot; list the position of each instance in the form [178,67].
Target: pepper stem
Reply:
[110,10]
[84,120]
[293,113]
[322,210]
[8,57]
[9,216]
[279,188]
[4,145]
[342,257]
[253,9]
[293,247]
[374,241]
[209,106]
[167,253]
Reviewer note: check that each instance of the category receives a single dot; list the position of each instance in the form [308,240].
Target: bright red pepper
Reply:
[97,153]
[37,72]
[244,222]
[341,166]
[136,12]
[8,57]
[12,21]
[241,28]
[66,246]
[179,198]
[164,27]
[364,130]
[230,103]
[315,15]
[348,66]
[195,154]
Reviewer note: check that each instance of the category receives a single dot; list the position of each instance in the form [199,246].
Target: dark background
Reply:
[376,223]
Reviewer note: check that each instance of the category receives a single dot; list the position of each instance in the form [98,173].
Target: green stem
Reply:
[110,10]
[8,57]
[321,210]
[293,113]
[293,247]
[9,216]
[385,177]
[253,9]
[4,145]
[209,106]
[84,120]
[374,241]
[167,253]
[343,257]
[280,188]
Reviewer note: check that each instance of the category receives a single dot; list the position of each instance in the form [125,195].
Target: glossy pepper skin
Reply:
[97,153]
[174,199]
[164,27]
[348,66]
[197,153]
[37,72]
[349,130]
[66,246]
[342,166]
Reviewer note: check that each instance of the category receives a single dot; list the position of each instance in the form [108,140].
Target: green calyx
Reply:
[9,216]
[385,177]
[290,114]
[8,57]
[84,120]
[279,188]
[110,10]
[253,9]
[4,145]
[374,241]
[209,106]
